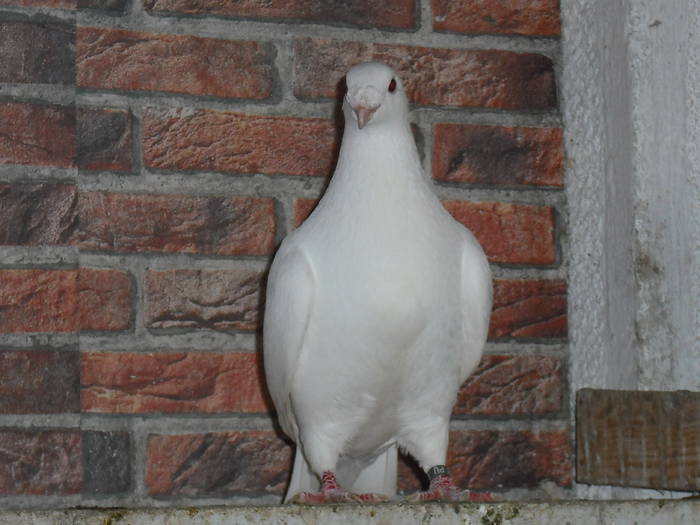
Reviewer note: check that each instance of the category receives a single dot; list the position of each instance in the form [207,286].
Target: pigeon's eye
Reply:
[392,85]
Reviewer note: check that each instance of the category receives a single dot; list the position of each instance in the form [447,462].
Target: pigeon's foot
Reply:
[331,492]
[441,488]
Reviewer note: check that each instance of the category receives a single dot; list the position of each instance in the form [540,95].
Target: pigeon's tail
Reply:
[303,479]
[360,477]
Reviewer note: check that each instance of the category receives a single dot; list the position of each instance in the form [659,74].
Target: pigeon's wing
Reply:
[288,307]
[476,300]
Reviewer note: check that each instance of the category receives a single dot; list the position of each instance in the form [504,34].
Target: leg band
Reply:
[437,470]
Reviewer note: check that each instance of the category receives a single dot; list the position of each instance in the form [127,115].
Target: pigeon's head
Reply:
[375,94]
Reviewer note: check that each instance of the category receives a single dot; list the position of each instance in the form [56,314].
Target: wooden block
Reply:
[638,439]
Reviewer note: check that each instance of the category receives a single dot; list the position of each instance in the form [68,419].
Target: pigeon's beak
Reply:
[364,114]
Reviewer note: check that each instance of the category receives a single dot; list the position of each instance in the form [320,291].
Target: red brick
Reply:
[433,76]
[37,214]
[399,14]
[490,459]
[516,385]
[105,299]
[529,309]
[127,60]
[38,52]
[104,139]
[238,143]
[175,223]
[61,4]
[41,135]
[39,382]
[217,299]
[39,463]
[38,301]
[172,382]
[498,155]
[509,233]
[517,17]
[248,463]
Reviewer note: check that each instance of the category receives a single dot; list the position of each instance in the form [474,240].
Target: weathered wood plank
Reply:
[638,439]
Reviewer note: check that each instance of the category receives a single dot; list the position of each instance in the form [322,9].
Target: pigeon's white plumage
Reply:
[377,306]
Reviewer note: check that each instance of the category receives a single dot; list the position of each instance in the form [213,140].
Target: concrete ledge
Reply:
[651,512]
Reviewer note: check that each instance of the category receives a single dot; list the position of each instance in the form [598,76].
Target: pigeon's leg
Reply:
[323,456]
[441,488]
[429,447]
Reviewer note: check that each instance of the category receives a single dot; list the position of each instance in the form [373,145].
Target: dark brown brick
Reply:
[516,17]
[104,139]
[175,223]
[489,459]
[496,155]
[638,439]
[105,299]
[172,382]
[529,309]
[248,463]
[237,143]
[400,14]
[37,51]
[42,463]
[37,214]
[38,301]
[106,462]
[127,60]
[39,382]
[42,135]
[514,385]
[103,5]
[433,76]
[218,299]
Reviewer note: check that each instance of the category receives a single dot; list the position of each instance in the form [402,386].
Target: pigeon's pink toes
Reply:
[320,498]
[371,497]
[441,489]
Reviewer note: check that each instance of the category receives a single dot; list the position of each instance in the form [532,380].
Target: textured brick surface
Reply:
[39,52]
[219,299]
[490,459]
[127,60]
[175,223]
[519,17]
[105,299]
[37,214]
[63,4]
[509,233]
[103,5]
[172,382]
[39,462]
[498,155]
[42,135]
[39,382]
[234,142]
[638,439]
[529,309]
[245,463]
[449,77]
[399,14]
[38,301]
[104,139]
[106,462]
[517,385]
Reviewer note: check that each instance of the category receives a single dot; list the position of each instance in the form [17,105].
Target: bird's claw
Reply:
[336,496]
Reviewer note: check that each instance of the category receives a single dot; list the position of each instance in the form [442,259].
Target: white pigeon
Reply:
[377,310]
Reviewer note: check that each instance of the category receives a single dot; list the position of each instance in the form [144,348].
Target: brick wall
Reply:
[153,154]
